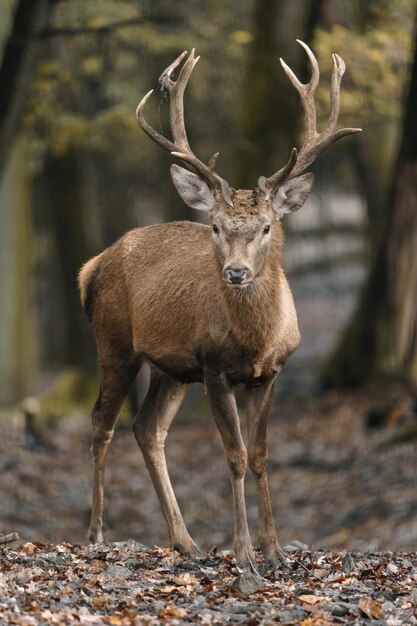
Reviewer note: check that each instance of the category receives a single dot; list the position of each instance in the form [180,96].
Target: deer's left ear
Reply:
[291,195]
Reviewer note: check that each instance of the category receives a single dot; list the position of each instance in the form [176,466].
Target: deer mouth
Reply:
[238,285]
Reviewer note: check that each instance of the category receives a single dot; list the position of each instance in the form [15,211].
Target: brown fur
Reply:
[85,275]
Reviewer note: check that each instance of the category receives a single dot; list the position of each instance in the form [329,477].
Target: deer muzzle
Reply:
[236,275]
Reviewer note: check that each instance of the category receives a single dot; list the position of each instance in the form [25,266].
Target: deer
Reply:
[203,303]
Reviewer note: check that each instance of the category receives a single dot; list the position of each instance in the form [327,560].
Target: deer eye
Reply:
[266,229]
[215,229]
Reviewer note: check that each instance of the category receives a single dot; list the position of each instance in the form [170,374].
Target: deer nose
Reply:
[236,275]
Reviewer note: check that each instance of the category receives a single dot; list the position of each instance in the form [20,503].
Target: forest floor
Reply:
[338,487]
[126,584]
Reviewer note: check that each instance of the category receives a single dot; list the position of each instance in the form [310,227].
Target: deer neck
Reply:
[254,312]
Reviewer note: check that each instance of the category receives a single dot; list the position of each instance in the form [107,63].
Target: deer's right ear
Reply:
[192,189]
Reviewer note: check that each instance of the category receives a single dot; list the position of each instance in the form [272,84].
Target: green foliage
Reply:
[7,7]
[85,92]
[70,390]
[378,60]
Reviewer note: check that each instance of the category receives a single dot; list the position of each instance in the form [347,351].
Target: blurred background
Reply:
[76,173]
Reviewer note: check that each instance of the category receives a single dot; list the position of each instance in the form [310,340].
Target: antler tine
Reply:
[176,93]
[339,68]
[314,143]
[180,147]
[166,83]
[166,74]
[306,92]
[268,184]
[152,134]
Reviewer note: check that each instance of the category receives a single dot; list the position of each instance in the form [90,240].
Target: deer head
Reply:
[243,221]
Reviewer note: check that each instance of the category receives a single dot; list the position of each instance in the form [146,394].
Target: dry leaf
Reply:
[317,620]
[309,599]
[172,611]
[168,589]
[115,620]
[29,547]
[371,609]
[187,579]
[101,601]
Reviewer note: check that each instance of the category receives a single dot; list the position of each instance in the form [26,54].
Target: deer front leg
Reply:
[225,413]
[258,404]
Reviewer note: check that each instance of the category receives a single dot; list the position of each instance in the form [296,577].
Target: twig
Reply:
[8,538]
[294,560]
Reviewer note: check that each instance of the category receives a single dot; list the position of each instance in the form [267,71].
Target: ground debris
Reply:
[127,584]
[9,538]
[348,564]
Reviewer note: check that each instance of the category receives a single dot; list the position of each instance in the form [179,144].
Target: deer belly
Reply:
[243,368]
[184,370]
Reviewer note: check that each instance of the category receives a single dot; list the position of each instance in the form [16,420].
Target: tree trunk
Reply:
[62,215]
[380,342]
[17,337]
[20,57]
[270,112]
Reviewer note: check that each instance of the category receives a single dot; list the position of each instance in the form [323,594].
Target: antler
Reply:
[314,142]
[180,147]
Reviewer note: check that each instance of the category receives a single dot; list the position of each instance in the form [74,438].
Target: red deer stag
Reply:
[203,304]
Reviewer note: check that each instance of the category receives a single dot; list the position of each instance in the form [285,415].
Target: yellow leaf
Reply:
[317,620]
[241,37]
[172,611]
[309,599]
[29,548]
[168,589]
[187,579]
[371,609]
[101,601]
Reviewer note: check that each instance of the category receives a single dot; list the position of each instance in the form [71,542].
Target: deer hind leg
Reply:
[223,405]
[150,427]
[117,378]
[257,405]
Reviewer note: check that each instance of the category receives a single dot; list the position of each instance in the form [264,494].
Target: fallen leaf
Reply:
[187,579]
[172,611]
[309,599]
[371,609]
[168,589]
[101,601]
[317,620]
[29,547]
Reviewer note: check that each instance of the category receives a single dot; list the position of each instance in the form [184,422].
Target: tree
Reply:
[20,57]
[21,53]
[375,39]
[269,113]
[381,338]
